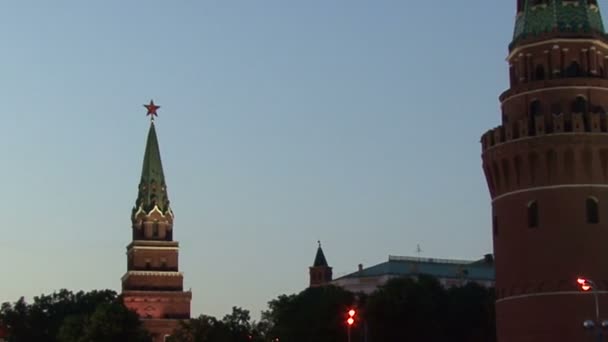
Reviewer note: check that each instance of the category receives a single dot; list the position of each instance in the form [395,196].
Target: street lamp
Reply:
[587,284]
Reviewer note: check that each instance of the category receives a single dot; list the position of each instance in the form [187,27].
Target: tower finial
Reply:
[319,242]
[152,108]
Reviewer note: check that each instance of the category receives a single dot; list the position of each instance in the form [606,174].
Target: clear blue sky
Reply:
[282,122]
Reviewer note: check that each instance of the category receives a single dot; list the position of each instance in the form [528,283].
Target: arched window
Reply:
[539,74]
[579,105]
[574,70]
[593,212]
[155,228]
[556,108]
[533,214]
[535,108]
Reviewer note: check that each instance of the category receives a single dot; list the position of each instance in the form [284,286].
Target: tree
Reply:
[315,314]
[65,316]
[234,327]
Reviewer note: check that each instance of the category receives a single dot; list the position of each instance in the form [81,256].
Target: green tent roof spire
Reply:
[320,258]
[536,17]
[152,186]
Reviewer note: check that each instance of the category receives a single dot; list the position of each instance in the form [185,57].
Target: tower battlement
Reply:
[542,125]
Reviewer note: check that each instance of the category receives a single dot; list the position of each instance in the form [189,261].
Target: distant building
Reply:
[449,272]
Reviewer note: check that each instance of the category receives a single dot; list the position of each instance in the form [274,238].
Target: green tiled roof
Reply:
[152,186]
[557,15]
[407,266]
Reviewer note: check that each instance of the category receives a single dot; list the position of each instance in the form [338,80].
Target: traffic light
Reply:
[584,284]
[351,317]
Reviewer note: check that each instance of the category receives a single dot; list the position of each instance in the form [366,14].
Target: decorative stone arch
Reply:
[517,163]
[496,173]
[506,174]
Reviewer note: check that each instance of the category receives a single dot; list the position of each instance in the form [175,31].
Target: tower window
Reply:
[533,214]
[155,229]
[593,213]
[539,74]
[148,264]
[579,105]
[535,108]
[574,70]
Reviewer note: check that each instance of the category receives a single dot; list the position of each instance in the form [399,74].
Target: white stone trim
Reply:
[152,273]
[544,137]
[155,247]
[544,294]
[549,187]
[551,88]
[555,41]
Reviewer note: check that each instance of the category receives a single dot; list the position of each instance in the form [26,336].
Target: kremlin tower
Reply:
[153,285]
[546,167]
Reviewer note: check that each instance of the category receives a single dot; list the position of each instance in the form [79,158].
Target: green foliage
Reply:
[403,309]
[316,314]
[234,327]
[65,316]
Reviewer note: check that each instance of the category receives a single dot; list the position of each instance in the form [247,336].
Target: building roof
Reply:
[568,16]
[152,186]
[441,268]
[320,260]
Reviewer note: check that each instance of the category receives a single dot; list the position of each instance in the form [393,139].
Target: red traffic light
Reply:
[351,317]
[584,284]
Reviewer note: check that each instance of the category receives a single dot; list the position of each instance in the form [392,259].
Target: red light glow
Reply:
[586,287]
[581,281]
[350,321]
[351,312]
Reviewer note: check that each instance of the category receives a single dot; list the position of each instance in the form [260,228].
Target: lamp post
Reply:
[586,285]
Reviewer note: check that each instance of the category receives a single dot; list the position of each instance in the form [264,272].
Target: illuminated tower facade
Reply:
[546,167]
[153,284]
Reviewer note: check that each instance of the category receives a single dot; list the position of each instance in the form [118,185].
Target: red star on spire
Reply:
[152,108]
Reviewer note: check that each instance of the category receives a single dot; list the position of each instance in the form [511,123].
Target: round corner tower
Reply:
[546,167]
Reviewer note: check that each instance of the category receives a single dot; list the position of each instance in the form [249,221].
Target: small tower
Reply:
[153,284]
[320,272]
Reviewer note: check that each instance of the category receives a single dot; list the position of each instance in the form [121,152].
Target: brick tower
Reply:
[320,272]
[153,285]
[546,167]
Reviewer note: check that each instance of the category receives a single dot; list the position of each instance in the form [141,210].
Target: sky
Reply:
[356,123]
